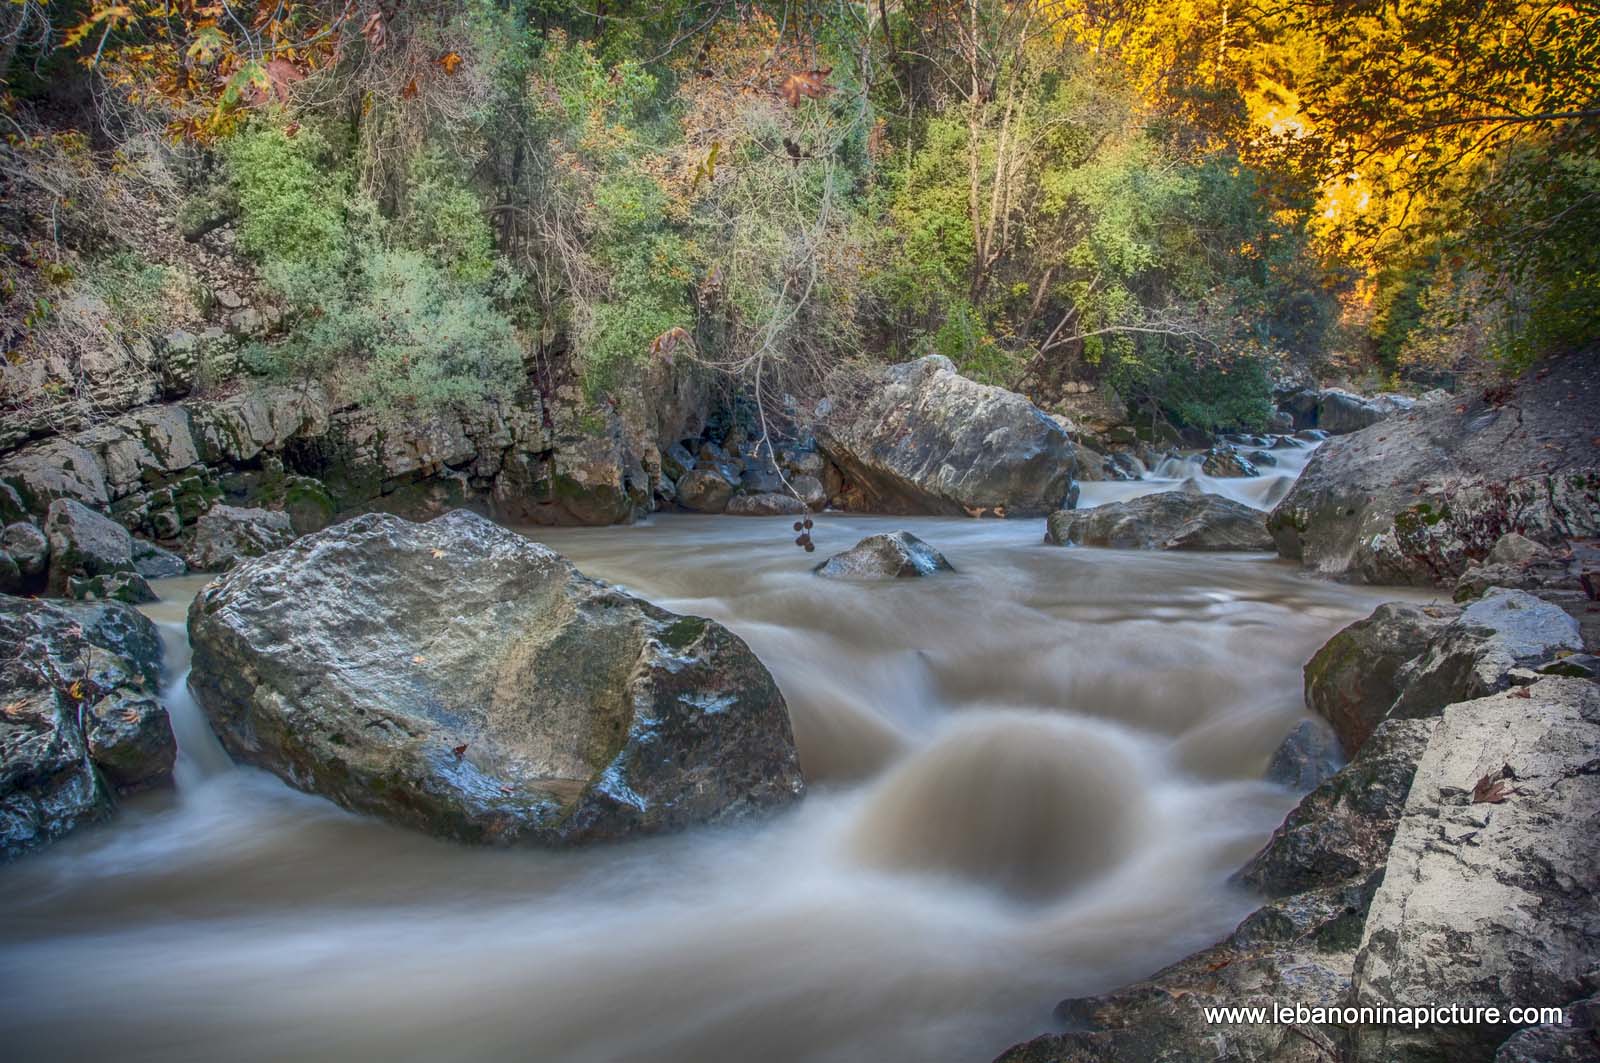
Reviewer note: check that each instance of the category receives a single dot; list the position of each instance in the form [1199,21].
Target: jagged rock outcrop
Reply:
[921,438]
[1488,894]
[77,716]
[1185,519]
[891,555]
[1419,497]
[460,679]
[1409,662]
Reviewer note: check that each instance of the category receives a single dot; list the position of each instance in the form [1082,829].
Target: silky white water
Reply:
[1029,779]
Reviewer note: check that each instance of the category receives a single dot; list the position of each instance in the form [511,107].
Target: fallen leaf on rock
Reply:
[438,553]
[460,751]
[1490,790]
[419,659]
[1522,692]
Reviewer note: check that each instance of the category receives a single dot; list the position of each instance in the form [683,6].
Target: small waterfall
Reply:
[200,755]
[1172,472]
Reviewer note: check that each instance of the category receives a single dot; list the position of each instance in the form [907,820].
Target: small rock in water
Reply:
[892,555]
[1308,757]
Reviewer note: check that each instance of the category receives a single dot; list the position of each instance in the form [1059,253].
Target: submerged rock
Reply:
[227,535]
[1185,519]
[921,438]
[1419,497]
[1306,758]
[1223,460]
[890,555]
[69,662]
[766,504]
[462,680]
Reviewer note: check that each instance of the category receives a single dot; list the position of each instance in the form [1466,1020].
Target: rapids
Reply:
[1029,779]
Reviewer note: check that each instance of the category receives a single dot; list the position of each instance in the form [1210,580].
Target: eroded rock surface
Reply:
[921,438]
[1422,495]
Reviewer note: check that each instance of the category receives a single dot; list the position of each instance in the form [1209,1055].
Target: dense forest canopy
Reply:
[1174,200]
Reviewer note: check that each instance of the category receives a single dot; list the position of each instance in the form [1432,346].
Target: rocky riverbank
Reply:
[1453,860]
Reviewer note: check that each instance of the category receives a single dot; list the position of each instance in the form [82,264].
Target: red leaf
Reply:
[806,83]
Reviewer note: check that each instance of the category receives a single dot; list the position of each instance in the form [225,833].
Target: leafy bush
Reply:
[291,193]
[404,336]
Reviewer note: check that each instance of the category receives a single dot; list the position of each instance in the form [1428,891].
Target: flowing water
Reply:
[1029,780]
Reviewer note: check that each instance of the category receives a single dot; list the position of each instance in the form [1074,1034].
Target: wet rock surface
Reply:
[892,555]
[77,716]
[462,680]
[227,535]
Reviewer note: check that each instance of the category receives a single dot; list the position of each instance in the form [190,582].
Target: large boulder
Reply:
[1488,895]
[84,543]
[890,555]
[921,438]
[1418,497]
[226,535]
[460,679]
[1354,678]
[73,680]
[1339,412]
[1185,519]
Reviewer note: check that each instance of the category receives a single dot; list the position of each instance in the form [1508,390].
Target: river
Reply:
[1029,779]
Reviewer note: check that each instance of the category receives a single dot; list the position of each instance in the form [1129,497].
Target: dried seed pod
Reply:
[811,547]
[799,540]
[807,523]
[798,526]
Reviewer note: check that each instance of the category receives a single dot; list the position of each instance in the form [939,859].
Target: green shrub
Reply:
[444,218]
[291,194]
[403,337]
